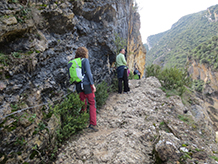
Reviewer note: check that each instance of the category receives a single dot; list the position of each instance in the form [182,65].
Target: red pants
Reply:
[92,107]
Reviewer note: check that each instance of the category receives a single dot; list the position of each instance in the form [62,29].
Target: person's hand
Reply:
[93,87]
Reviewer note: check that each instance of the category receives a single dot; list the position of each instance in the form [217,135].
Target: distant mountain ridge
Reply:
[170,48]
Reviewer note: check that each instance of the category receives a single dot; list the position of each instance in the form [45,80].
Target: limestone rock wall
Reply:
[136,50]
[210,89]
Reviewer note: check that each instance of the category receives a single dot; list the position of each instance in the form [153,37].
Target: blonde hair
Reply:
[82,52]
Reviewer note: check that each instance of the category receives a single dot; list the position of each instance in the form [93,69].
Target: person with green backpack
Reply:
[80,74]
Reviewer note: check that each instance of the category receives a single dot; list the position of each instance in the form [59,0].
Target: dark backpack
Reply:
[136,72]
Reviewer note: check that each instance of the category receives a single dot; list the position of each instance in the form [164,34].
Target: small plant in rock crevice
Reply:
[4,59]
[214,157]
[23,14]
[198,85]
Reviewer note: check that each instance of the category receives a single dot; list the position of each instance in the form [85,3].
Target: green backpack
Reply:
[75,70]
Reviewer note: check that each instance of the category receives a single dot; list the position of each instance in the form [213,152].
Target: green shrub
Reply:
[131,75]
[101,94]
[174,78]
[3,59]
[72,120]
[183,118]
[198,85]
[23,14]
[114,84]
[214,157]
[16,54]
[153,70]
[171,79]
[136,77]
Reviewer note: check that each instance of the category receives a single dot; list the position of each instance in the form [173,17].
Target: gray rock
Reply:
[10,21]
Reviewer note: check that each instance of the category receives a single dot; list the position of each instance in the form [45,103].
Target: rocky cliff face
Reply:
[212,13]
[135,56]
[210,88]
[38,38]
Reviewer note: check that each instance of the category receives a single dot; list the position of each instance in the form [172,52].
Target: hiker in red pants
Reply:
[87,89]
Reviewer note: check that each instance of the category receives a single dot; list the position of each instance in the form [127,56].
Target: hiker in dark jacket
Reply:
[121,65]
[136,71]
[89,88]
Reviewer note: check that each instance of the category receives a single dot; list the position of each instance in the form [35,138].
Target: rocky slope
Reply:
[37,39]
[209,94]
[145,126]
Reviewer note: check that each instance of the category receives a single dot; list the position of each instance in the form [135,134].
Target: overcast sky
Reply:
[159,15]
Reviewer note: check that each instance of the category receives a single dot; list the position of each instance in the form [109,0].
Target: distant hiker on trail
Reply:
[137,72]
[121,65]
[89,88]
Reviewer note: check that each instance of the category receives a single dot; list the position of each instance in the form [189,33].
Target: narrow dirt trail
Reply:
[122,129]
[134,126]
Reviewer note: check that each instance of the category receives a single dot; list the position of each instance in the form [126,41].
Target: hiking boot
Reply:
[93,128]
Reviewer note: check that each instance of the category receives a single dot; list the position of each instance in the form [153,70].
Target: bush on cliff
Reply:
[72,120]
[102,93]
[132,76]
[198,85]
[171,79]
[206,53]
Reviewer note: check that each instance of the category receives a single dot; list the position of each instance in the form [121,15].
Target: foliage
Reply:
[189,120]
[136,77]
[23,14]
[9,59]
[114,84]
[131,75]
[174,78]
[12,1]
[16,55]
[72,120]
[102,93]
[153,70]
[3,59]
[214,157]
[41,126]
[154,39]
[163,126]
[183,118]
[198,85]
[185,35]
[207,53]
[170,78]
[119,43]
[213,10]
